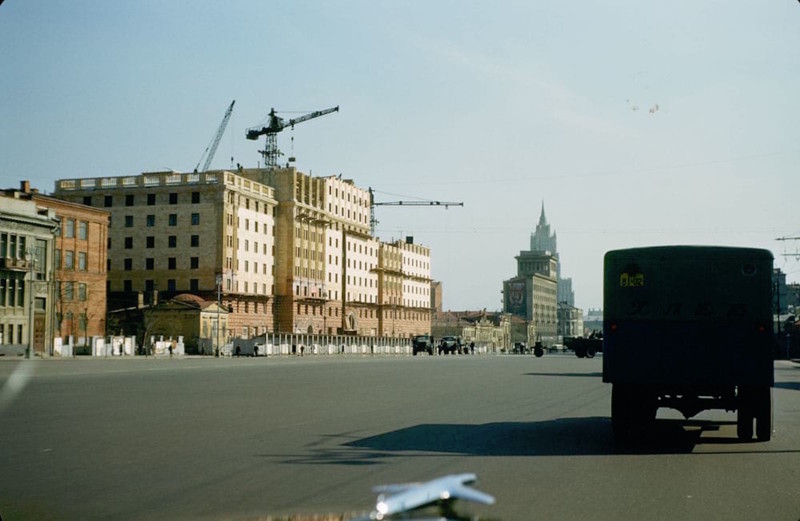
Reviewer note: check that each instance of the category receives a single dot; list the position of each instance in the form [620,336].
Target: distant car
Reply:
[448,345]
[422,344]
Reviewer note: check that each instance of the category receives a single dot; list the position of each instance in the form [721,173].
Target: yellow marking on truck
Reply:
[627,280]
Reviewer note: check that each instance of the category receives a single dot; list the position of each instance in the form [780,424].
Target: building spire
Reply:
[542,218]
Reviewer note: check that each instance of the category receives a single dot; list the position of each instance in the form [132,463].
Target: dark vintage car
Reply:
[422,344]
[449,345]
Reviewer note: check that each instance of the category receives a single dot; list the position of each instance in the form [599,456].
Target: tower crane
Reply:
[372,204]
[274,125]
[211,149]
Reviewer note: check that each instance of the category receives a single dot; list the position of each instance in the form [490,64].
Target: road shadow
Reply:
[594,374]
[561,437]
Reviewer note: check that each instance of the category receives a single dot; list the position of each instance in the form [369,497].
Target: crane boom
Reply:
[210,150]
[372,204]
[276,124]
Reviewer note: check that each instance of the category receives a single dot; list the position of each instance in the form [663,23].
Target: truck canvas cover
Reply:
[688,315]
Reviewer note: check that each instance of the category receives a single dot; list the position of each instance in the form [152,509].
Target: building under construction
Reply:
[281,251]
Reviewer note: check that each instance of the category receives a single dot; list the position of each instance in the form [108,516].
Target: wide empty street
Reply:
[271,437]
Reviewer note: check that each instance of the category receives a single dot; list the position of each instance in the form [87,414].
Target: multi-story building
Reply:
[211,234]
[532,294]
[286,252]
[332,275]
[570,320]
[543,241]
[27,289]
[79,268]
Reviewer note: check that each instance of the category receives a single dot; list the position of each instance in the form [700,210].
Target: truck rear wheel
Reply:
[538,352]
[763,413]
[755,403]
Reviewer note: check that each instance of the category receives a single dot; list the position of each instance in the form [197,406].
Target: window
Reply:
[151,242]
[172,241]
[70,231]
[195,241]
[129,200]
[171,285]
[108,201]
[194,263]
[128,221]
[127,285]
[195,197]
[173,219]
[69,290]
[194,284]
[128,243]
[173,198]
[149,263]
[87,200]
[57,260]
[151,199]
[82,260]
[151,220]
[149,285]
[171,263]
[81,291]
[83,230]
[195,218]
[108,266]
[69,260]
[128,264]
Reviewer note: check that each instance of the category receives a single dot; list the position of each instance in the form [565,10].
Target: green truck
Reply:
[689,328]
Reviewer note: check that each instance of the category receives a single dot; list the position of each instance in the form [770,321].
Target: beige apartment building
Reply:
[333,276]
[287,252]
[209,234]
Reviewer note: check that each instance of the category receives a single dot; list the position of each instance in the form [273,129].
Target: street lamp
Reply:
[219,303]
[30,256]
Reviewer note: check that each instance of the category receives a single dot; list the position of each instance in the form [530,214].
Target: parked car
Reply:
[449,345]
[422,344]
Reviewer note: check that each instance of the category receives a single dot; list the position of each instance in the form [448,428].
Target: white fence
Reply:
[301,345]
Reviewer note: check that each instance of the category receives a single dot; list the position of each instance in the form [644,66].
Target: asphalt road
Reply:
[251,438]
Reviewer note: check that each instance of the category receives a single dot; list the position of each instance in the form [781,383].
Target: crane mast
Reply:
[372,204]
[211,149]
[274,125]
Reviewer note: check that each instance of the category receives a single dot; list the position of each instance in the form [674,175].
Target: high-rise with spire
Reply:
[544,241]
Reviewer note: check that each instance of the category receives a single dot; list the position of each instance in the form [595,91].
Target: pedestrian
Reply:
[170,350]
[302,349]
[472,347]
[255,350]
[238,351]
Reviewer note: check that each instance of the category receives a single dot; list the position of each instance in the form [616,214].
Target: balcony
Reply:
[13,264]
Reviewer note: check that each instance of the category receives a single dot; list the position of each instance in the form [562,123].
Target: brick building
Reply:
[79,268]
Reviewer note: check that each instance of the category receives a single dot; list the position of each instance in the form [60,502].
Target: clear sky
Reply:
[635,122]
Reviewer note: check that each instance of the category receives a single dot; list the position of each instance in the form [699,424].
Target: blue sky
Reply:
[636,123]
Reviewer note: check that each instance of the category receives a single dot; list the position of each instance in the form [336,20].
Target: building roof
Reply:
[192,301]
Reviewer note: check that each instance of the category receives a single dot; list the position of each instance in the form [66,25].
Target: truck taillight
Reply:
[613,327]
